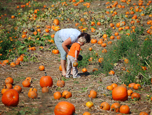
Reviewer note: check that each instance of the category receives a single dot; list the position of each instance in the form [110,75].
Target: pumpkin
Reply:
[6,62]
[17,88]
[10,98]
[126,60]
[45,90]
[41,68]
[57,95]
[29,79]
[131,85]
[124,109]
[86,113]
[93,94]
[55,51]
[60,68]
[90,48]
[120,93]
[33,89]
[60,83]
[66,94]
[103,44]
[4,90]
[75,64]
[105,106]
[9,80]
[143,113]
[46,81]
[56,21]
[32,94]
[89,104]
[115,107]
[129,92]
[100,60]
[109,87]
[9,86]
[26,83]
[93,41]
[64,108]
[111,72]
[84,70]
[135,95]
[12,64]
[114,85]
[137,86]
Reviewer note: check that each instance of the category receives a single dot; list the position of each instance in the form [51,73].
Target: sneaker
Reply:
[78,76]
[67,76]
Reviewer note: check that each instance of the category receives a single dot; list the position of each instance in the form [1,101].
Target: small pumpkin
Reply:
[26,83]
[10,98]
[93,94]
[86,113]
[105,106]
[120,93]
[143,113]
[114,85]
[137,86]
[57,95]
[135,95]
[60,68]
[84,70]
[131,85]
[60,83]
[46,81]
[129,92]
[9,80]
[32,94]
[124,109]
[17,88]
[115,107]
[89,104]
[56,21]
[64,108]
[66,94]
[12,64]
[45,90]
[9,86]
[4,90]
[93,41]
[75,64]
[109,87]
[111,72]
[41,68]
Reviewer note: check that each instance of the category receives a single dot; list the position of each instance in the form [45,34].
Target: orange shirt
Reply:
[74,47]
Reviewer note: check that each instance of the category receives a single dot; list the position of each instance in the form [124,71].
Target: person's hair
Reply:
[86,36]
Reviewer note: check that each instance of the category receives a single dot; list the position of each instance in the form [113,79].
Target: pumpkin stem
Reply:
[45,73]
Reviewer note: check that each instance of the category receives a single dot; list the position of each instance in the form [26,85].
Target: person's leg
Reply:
[69,66]
[63,65]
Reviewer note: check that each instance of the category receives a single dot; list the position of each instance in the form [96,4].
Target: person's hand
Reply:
[75,59]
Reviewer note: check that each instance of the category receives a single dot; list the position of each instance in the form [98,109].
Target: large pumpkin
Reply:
[120,93]
[10,98]
[46,81]
[64,108]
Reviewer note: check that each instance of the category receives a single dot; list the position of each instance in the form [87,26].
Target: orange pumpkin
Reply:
[93,41]
[129,92]
[93,94]
[143,113]
[57,95]
[45,90]
[66,94]
[60,83]
[131,85]
[114,85]
[120,93]
[60,68]
[86,113]
[9,80]
[10,98]
[109,87]
[56,21]
[26,83]
[137,86]
[84,70]
[17,88]
[41,68]
[105,106]
[111,72]
[32,94]
[46,81]
[135,95]
[64,108]
[115,107]
[124,109]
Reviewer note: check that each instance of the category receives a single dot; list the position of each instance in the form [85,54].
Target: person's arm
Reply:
[65,43]
[76,55]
